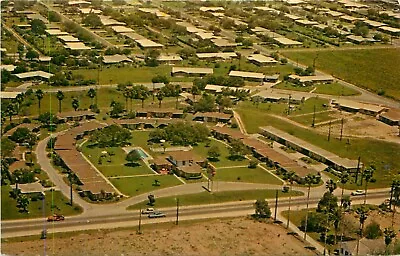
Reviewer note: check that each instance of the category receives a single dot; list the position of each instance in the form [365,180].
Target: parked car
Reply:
[358,193]
[148,211]
[55,217]
[157,215]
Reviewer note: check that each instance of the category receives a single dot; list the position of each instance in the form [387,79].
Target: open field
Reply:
[138,185]
[372,152]
[335,89]
[308,119]
[10,211]
[244,174]
[214,198]
[372,65]
[238,236]
[292,87]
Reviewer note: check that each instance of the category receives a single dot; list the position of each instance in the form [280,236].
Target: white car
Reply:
[358,193]
[148,211]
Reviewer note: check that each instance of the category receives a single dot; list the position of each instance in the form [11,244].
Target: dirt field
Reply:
[238,236]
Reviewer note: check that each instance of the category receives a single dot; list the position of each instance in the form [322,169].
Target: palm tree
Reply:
[389,235]
[19,98]
[31,140]
[367,174]
[142,94]
[60,97]
[344,178]
[23,203]
[309,180]
[39,96]
[70,178]
[160,97]
[331,185]
[362,216]
[177,93]
[10,110]
[127,94]
[91,94]
[195,91]
[290,178]
[75,104]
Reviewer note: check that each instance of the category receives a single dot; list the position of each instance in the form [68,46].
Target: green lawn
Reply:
[293,87]
[117,165]
[201,150]
[335,89]
[139,185]
[365,68]
[382,154]
[10,211]
[244,174]
[214,198]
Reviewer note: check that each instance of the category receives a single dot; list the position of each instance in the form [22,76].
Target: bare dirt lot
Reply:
[239,236]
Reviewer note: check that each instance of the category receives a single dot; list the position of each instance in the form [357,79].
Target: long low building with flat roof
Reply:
[190,71]
[77,46]
[147,43]
[114,59]
[392,117]
[34,74]
[255,76]
[286,41]
[354,106]
[313,79]
[217,55]
[317,153]
[261,60]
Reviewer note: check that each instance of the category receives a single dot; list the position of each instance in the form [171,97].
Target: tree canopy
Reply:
[181,133]
[111,136]
[7,147]
[262,209]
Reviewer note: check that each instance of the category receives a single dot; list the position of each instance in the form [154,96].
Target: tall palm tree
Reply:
[10,110]
[344,178]
[60,97]
[91,94]
[160,97]
[142,94]
[362,217]
[39,96]
[126,93]
[195,90]
[75,104]
[367,174]
[309,180]
[177,93]
[19,98]
[389,235]
[290,178]
[331,185]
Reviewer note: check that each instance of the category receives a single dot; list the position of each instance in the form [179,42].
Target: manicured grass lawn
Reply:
[140,138]
[307,119]
[117,165]
[291,86]
[335,89]
[10,211]
[139,185]
[365,68]
[214,198]
[244,174]
[382,154]
[201,150]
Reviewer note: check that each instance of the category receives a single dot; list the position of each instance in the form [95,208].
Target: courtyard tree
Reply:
[213,153]
[20,135]
[39,95]
[160,97]
[262,209]
[111,136]
[195,90]
[133,157]
[31,54]
[92,20]
[48,119]
[38,27]
[23,203]
[237,150]
[116,109]
[205,104]
[60,97]
[75,104]
[7,147]
[331,185]
[91,94]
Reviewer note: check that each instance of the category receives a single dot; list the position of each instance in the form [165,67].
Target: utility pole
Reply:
[140,221]
[276,204]
[329,131]
[290,97]
[70,188]
[341,129]
[358,168]
[313,119]
[177,211]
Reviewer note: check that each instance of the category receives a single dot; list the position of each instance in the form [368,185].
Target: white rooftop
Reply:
[245,74]
[221,55]
[34,74]
[76,46]
[9,68]
[146,43]
[191,70]
[261,59]
[121,29]
[8,95]
[286,41]
[56,32]
[68,38]
[117,58]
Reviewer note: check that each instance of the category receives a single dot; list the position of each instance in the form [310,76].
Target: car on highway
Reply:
[148,211]
[358,193]
[56,217]
[157,215]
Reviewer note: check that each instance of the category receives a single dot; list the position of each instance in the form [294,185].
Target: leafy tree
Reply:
[262,209]
[116,109]
[133,157]
[205,104]
[253,164]
[7,147]
[48,119]
[39,95]
[344,178]
[237,150]
[213,153]
[5,76]
[160,79]
[142,93]
[313,222]
[111,136]
[373,230]
[60,97]
[31,54]
[195,90]
[53,17]
[75,104]
[59,79]
[38,27]
[5,174]
[23,203]
[91,94]
[223,102]
[328,203]
[11,110]
[389,235]
[20,135]
[160,97]
[92,20]
[181,133]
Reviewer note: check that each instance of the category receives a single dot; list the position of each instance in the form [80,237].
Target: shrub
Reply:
[253,164]
[373,230]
